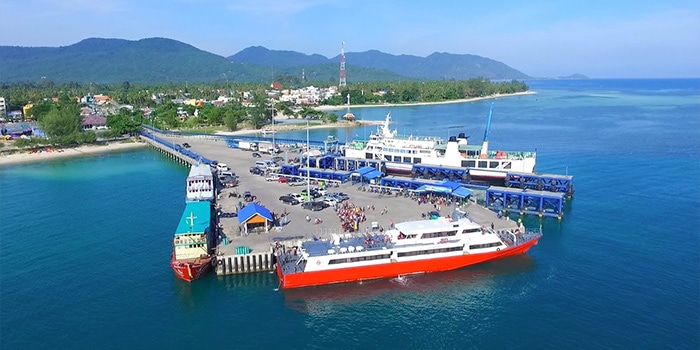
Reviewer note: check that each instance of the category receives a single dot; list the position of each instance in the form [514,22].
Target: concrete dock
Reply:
[260,257]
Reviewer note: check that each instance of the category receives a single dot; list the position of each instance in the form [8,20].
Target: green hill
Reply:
[158,60]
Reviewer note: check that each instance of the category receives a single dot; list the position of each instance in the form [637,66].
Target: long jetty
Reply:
[239,252]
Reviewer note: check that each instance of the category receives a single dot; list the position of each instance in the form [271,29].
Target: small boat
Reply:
[200,184]
[424,246]
[268,131]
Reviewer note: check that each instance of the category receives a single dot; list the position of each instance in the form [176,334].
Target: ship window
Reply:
[493,165]
[411,236]
[471,230]
[359,258]
[506,165]
[397,158]
[470,163]
[387,158]
[430,251]
[485,245]
[406,159]
[483,164]
[438,234]
[368,156]
[416,160]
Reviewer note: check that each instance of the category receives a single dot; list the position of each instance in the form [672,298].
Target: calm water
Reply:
[85,243]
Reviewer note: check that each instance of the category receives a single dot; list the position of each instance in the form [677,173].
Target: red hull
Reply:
[394,269]
[190,270]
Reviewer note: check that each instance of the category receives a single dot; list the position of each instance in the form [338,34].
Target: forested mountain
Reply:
[157,60]
[437,66]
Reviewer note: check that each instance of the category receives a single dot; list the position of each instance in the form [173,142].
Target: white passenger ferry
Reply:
[401,152]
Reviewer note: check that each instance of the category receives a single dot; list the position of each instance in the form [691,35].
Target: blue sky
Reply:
[601,39]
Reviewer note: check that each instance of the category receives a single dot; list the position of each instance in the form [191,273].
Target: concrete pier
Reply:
[260,245]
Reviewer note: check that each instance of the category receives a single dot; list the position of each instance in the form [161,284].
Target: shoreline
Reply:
[344,124]
[22,157]
[27,157]
[462,100]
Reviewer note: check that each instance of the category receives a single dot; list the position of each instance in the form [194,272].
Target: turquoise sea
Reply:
[85,244]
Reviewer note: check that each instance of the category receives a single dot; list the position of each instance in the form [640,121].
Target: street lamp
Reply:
[308,164]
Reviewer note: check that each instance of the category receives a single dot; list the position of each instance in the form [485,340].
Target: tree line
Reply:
[63,125]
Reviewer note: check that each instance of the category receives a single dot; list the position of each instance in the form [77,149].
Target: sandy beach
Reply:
[27,157]
[463,100]
[345,124]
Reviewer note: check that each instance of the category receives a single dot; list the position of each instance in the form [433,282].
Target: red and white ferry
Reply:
[191,258]
[410,248]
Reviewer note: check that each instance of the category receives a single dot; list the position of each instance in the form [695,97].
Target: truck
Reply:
[267,147]
[247,146]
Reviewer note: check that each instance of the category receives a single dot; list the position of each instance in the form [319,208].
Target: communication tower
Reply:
[343,82]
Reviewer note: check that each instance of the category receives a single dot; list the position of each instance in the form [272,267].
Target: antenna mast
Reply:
[343,82]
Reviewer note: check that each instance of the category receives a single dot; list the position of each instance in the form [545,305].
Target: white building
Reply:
[3,108]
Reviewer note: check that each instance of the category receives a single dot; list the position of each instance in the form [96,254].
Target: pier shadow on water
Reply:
[449,283]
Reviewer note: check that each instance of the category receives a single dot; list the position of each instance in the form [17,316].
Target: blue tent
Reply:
[367,173]
[461,192]
[363,171]
[434,188]
[373,174]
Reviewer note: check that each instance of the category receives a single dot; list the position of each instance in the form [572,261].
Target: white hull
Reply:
[401,152]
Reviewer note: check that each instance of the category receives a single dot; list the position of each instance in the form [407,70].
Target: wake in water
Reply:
[402,281]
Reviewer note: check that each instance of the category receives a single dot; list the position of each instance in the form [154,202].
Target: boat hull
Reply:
[191,269]
[394,269]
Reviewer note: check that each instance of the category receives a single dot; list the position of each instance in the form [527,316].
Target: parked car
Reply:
[248,197]
[314,206]
[257,171]
[222,167]
[329,200]
[282,179]
[289,200]
[256,155]
[297,182]
[228,181]
[314,193]
[297,196]
[186,145]
[272,177]
[340,196]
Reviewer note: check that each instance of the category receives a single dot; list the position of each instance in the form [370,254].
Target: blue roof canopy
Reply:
[451,184]
[364,170]
[433,188]
[251,210]
[373,174]
[462,192]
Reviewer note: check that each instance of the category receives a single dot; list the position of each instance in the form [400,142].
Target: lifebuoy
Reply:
[219,261]
[498,249]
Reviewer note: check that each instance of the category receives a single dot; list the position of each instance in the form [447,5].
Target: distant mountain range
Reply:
[158,60]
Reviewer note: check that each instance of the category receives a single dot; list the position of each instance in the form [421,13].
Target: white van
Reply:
[222,167]
[263,164]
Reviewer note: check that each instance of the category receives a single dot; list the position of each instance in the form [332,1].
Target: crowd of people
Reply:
[351,216]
